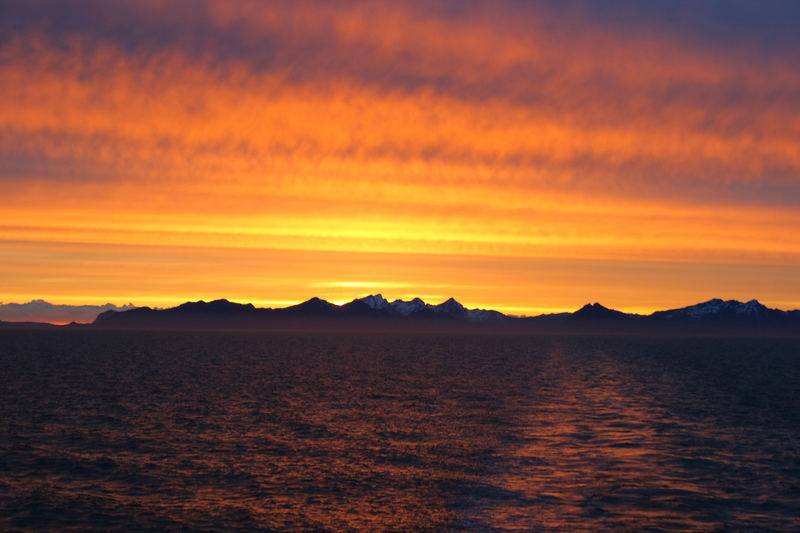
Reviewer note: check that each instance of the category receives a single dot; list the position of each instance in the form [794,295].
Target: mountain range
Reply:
[714,315]
[42,311]
[372,307]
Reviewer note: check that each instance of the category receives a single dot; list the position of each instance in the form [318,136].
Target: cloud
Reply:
[173,117]
[591,130]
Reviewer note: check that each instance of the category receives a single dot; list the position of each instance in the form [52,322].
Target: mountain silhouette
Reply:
[717,309]
[452,308]
[314,306]
[596,311]
[37,311]
[715,315]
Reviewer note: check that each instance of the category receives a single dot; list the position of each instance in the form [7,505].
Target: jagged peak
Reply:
[716,302]
[374,301]
[415,300]
[452,306]
[595,307]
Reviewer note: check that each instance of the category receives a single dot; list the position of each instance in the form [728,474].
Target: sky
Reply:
[524,156]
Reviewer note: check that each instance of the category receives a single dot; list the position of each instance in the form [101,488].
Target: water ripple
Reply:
[324,432]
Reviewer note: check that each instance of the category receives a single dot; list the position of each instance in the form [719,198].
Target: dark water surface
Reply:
[340,432]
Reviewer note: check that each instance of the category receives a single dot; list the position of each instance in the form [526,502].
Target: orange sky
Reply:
[526,159]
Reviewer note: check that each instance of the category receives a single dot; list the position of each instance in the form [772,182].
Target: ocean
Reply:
[251,431]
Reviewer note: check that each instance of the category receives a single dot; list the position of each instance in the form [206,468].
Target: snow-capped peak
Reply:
[404,308]
[375,301]
[718,308]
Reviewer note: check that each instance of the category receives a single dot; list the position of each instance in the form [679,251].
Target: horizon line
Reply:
[270,304]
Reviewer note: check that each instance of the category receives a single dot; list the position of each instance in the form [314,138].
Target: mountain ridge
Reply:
[41,311]
[713,313]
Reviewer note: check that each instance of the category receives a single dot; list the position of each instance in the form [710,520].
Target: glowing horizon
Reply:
[513,156]
[526,311]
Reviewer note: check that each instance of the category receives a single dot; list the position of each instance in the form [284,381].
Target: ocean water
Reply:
[403,432]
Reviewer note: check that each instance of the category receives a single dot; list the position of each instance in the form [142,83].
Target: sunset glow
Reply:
[526,158]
